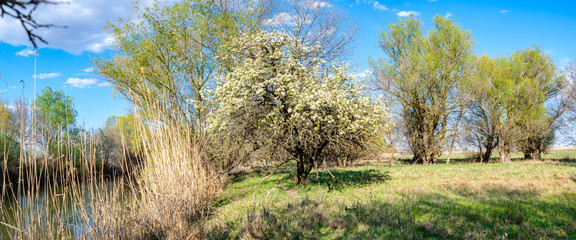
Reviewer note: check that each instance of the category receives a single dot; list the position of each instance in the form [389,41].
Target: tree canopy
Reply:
[54,112]
[169,57]
[423,74]
[55,108]
[275,97]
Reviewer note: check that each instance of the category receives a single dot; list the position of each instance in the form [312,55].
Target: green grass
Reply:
[521,200]
[560,155]
[459,157]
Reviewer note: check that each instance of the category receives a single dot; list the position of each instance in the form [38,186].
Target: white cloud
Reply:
[318,4]
[14,108]
[85,83]
[379,6]
[407,13]
[88,70]
[25,53]
[448,15]
[105,84]
[375,4]
[83,21]
[280,19]
[100,46]
[11,108]
[49,75]
[362,75]
[504,11]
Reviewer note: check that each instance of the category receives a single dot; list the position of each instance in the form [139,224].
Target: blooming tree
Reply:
[274,95]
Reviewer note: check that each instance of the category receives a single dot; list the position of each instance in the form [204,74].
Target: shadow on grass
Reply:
[415,216]
[339,179]
[262,171]
[241,176]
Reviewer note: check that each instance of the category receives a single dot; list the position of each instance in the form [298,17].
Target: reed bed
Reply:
[66,194]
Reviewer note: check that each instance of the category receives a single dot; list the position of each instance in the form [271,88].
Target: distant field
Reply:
[521,200]
[561,153]
[554,153]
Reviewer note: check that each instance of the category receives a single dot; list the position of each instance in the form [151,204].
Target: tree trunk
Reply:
[450,152]
[417,159]
[434,158]
[538,155]
[528,155]
[425,159]
[342,161]
[303,169]
[486,156]
[301,176]
[505,156]
[533,155]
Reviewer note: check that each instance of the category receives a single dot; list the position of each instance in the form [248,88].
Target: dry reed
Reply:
[168,197]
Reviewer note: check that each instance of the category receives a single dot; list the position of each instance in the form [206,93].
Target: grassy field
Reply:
[556,153]
[521,200]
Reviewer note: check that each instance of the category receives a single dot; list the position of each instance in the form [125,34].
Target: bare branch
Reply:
[23,11]
[317,22]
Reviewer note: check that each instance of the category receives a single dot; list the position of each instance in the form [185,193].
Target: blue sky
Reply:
[497,27]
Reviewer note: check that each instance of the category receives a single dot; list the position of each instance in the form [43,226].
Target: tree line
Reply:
[247,76]
[43,138]
[441,91]
[271,75]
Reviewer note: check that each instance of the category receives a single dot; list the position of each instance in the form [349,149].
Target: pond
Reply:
[56,210]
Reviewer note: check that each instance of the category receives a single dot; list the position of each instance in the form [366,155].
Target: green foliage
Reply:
[9,151]
[508,103]
[168,58]
[535,73]
[274,96]
[6,119]
[123,129]
[422,77]
[487,121]
[55,109]
[67,153]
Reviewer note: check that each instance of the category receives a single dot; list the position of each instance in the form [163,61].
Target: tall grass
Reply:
[43,198]
[64,193]
[175,187]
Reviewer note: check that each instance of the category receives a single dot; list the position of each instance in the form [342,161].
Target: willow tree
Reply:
[166,59]
[499,104]
[511,103]
[274,96]
[534,73]
[422,74]
[482,122]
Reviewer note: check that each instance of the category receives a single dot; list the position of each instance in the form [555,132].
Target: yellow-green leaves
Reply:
[423,74]
[508,97]
[55,109]
[168,57]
